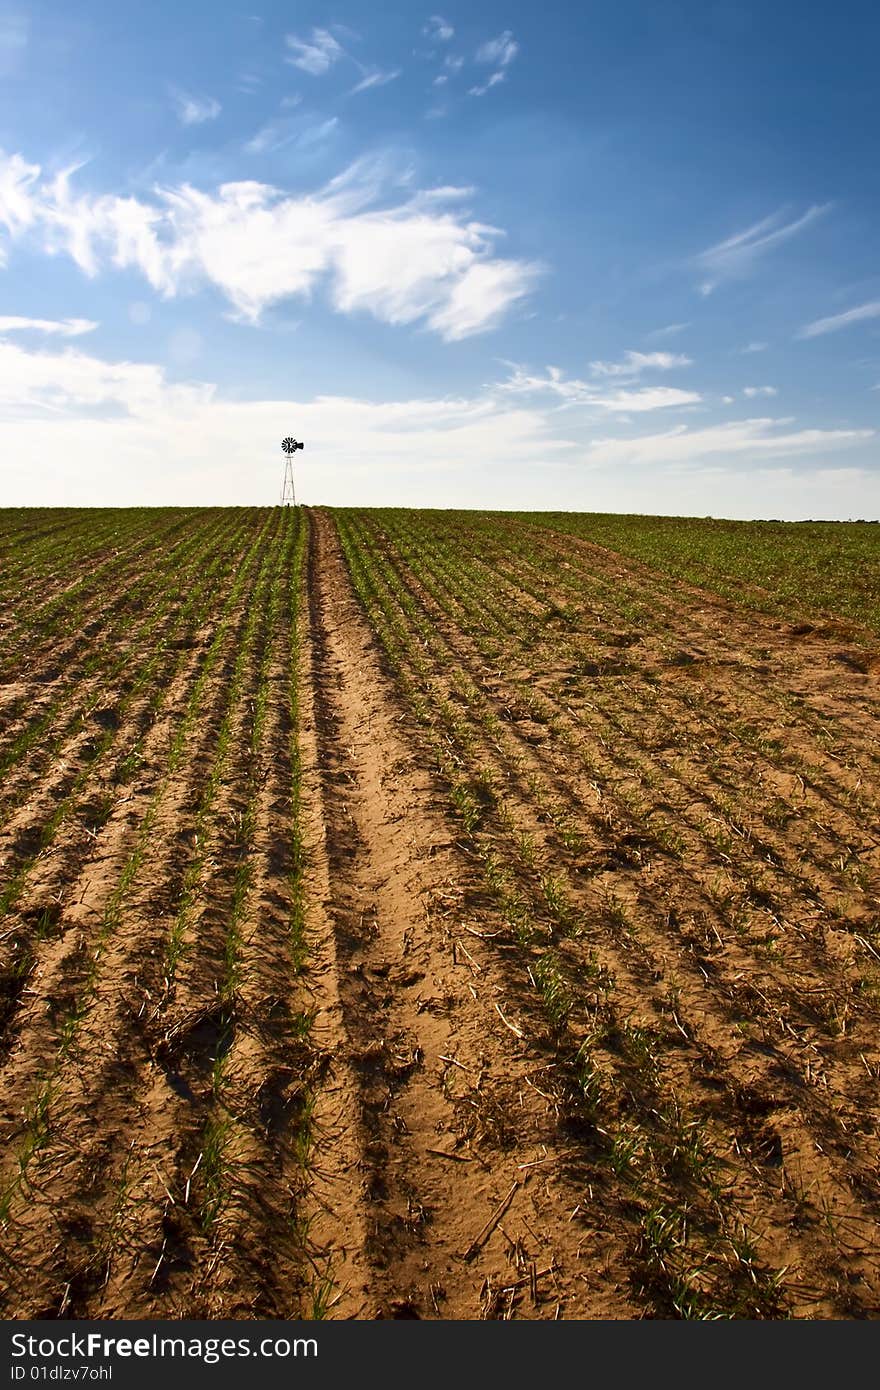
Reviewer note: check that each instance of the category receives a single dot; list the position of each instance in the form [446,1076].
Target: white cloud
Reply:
[420,263]
[114,433]
[728,400]
[481,296]
[128,435]
[414,261]
[572,391]
[759,438]
[499,52]
[453,62]
[289,130]
[735,257]
[439,29]
[648,398]
[634,363]
[314,134]
[837,321]
[480,91]
[64,328]
[669,331]
[272,136]
[315,55]
[754,347]
[124,228]
[17,181]
[569,389]
[53,381]
[374,79]
[249,83]
[195,110]
[752,391]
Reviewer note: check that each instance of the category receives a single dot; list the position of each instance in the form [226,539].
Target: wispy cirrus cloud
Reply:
[315,55]
[671,330]
[249,83]
[574,391]
[835,322]
[635,402]
[289,130]
[17,209]
[317,132]
[754,347]
[438,29]
[375,79]
[758,438]
[498,52]
[752,391]
[553,382]
[194,110]
[634,363]
[737,256]
[64,328]
[320,52]
[480,89]
[421,260]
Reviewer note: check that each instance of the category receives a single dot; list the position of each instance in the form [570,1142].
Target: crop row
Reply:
[180,922]
[797,570]
[584,826]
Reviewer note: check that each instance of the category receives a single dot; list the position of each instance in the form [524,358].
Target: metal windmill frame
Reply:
[288,495]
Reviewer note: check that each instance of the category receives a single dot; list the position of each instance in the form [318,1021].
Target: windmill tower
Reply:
[288,496]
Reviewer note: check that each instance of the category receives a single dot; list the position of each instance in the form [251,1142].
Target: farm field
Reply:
[437,915]
[817,567]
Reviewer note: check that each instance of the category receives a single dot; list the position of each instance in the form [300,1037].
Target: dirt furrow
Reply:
[444,1085]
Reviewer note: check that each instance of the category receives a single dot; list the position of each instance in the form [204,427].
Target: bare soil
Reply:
[582,1022]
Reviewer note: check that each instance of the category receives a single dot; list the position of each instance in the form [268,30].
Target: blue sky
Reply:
[602,257]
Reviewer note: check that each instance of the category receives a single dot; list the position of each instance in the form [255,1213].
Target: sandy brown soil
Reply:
[478,925]
[435,1115]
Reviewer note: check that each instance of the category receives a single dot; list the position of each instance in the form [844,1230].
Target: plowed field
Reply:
[430,915]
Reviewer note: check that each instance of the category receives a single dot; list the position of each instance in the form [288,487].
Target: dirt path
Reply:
[435,1116]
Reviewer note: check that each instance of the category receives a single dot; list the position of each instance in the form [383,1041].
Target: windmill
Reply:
[288,496]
